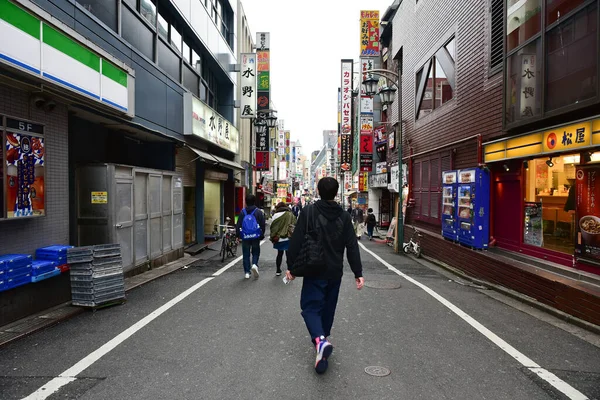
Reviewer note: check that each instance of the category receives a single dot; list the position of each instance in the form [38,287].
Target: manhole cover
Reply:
[377,371]
[383,284]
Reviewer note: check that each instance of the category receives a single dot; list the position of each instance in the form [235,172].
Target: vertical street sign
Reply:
[248,85]
[346,115]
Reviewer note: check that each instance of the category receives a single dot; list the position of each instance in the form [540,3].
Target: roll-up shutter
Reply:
[185,164]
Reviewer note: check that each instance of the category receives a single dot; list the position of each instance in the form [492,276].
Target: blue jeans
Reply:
[318,300]
[247,246]
[370,231]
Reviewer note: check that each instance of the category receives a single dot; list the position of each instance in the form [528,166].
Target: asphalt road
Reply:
[206,333]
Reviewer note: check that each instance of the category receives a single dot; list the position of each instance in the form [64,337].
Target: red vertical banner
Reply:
[262,160]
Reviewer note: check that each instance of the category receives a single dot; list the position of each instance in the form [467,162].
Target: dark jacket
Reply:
[260,218]
[358,215]
[337,234]
[371,220]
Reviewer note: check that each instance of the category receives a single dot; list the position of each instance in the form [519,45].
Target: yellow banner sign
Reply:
[99,197]
[568,137]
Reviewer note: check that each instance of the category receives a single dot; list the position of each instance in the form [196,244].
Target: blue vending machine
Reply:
[449,194]
[474,207]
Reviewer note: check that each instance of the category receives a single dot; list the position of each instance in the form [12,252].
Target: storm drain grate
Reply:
[377,371]
[391,284]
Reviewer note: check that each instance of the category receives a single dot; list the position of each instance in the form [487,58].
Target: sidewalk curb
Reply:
[10,333]
[515,295]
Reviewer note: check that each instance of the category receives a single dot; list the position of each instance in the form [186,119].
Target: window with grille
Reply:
[427,186]
[496,34]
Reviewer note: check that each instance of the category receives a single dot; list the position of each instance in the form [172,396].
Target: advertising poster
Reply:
[588,212]
[24,175]
[366,144]
[379,135]
[369,33]
[533,234]
[363,182]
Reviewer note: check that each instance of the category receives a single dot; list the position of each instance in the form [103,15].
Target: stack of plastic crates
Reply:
[56,254]
[96,275]
[43,269]
[15,270]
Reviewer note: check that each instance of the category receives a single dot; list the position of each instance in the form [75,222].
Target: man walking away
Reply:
[358,218]
[320,291]
[281,226]
[251,230]
[371,222]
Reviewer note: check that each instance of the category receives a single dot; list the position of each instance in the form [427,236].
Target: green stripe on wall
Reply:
[19,18]
[114,73]
[71,48]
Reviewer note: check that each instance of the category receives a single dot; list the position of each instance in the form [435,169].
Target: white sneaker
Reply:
[247,276]
[254,271]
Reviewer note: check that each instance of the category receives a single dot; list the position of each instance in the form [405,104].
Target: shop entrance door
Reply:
[507,202]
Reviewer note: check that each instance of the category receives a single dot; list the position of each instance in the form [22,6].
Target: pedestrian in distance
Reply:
[371,221]
[251,230]
[297,207]
[358,219]
[282,227]
[320,290]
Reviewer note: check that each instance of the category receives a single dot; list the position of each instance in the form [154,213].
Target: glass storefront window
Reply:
[572,60]
[555,9]
[549,212]
[523,75]
[163,27]
[523,21]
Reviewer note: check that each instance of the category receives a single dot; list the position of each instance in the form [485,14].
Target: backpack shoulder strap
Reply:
[244,211]
[253,211]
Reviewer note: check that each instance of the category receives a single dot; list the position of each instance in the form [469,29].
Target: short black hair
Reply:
[370,210]
[250,200]
[328,188]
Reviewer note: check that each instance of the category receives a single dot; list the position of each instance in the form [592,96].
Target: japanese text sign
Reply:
[248,85]
[211,126]
[369,33]
[346,115]
[568,137]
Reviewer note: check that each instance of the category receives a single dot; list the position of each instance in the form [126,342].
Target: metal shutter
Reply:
[185,164]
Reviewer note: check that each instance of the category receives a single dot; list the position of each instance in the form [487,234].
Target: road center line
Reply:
[544,374]
[70,374]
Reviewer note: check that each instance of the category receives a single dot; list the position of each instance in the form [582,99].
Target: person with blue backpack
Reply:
[251,230]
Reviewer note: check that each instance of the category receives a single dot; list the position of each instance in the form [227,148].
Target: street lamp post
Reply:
[387,95]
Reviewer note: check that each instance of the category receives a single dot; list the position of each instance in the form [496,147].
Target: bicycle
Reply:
[229,242]
[414,244]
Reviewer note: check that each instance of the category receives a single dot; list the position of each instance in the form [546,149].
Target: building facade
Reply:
[544,166]
[119,125]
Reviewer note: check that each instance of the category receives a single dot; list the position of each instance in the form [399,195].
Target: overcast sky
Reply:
[308,40]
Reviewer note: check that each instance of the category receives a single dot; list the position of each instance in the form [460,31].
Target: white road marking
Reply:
[546,375]
[70,374]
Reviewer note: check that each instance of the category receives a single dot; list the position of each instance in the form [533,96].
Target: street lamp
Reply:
[388,95]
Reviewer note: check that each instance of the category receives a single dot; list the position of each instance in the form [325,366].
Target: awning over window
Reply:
[215,160]
[227,163]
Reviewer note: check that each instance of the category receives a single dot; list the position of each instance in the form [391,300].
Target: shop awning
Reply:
[228,164]
[209,158]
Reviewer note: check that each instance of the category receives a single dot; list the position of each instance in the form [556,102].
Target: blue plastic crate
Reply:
[14,282]
[13,261]
[37,278]
[56,253]
[59,260]
[39,267]
[18,272]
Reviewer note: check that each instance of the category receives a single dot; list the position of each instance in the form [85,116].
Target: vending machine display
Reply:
[473,210]
[449,194]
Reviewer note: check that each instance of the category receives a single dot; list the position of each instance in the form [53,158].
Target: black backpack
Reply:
[311,259]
